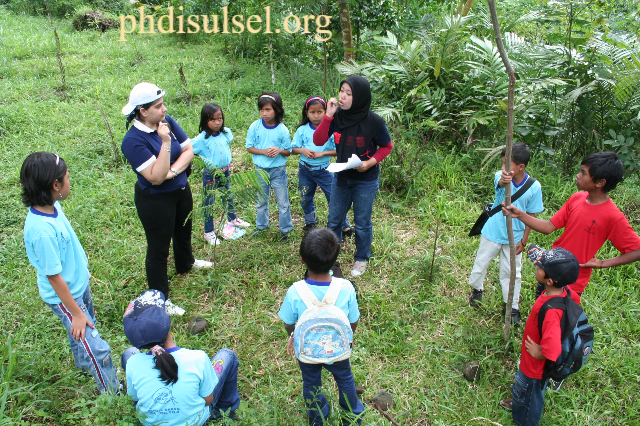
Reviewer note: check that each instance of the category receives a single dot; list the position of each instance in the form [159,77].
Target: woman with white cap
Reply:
[159,152]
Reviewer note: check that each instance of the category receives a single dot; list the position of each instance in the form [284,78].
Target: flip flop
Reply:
[507,404]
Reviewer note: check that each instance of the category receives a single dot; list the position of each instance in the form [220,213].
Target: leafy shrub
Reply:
[89,19]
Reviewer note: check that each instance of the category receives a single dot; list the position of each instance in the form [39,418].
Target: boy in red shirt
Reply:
[555,269]
[589,218]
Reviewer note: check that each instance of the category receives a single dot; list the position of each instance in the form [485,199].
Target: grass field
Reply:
[414,335]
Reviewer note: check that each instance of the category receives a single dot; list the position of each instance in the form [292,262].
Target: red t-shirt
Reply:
[587,227]
[550,340]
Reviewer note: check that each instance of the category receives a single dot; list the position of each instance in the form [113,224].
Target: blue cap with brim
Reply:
[145,319]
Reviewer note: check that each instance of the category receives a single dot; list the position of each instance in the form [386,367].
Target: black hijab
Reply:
[357,121]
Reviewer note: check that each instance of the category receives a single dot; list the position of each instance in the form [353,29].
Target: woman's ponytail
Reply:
[165,364]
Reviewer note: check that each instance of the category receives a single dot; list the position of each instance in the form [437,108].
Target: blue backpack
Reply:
[323,333]
[576,337]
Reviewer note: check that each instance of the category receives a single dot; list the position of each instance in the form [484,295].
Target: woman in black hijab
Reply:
[356,130]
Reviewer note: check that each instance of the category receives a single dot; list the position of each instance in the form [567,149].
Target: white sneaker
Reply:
[239,223]
[212,238]
[202,264]
[172,309]
[359,268]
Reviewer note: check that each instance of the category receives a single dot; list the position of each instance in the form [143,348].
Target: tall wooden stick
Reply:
[507,190]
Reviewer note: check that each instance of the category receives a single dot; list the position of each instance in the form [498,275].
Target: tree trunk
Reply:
[507,190]
[345,26]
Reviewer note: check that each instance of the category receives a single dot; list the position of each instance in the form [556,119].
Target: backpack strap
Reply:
[519,193]
[306,294]
[331,296]
[562,303]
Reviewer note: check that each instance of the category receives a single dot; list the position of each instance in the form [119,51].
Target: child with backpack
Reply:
[557,338]
[320,315]
[527,195]
[590,218]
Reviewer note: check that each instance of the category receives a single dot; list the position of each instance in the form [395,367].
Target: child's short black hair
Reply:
[319,249]
[607,166]
[520,153]
[556,284]
[39,171]
[275,100]
[207,114]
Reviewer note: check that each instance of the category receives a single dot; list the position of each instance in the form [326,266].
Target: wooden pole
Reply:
[507,190]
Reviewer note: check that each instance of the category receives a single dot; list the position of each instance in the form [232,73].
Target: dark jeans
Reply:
[528,399]
[317,404]
[163,218]
[308,182]
[212,181]
[360,194]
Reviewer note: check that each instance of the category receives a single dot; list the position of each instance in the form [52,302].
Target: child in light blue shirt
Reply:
[494,238]
[270,143]
[53,248]
[170,385]
[312,170]
[212,145]
[319,250]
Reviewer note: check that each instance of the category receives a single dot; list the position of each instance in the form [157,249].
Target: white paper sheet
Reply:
[353,162]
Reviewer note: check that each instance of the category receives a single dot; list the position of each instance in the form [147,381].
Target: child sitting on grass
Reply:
[555,269]
[63,275]
[319,250]
[494,237]
[173,386]
[590,218]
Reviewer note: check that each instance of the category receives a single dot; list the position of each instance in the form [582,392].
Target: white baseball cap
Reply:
[141,94]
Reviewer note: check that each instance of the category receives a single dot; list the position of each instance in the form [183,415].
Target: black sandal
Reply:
[507,404]
[347,232]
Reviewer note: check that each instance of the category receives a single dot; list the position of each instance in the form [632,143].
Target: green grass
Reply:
[414,335]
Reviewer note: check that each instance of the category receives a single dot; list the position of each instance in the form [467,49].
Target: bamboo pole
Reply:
[507,190]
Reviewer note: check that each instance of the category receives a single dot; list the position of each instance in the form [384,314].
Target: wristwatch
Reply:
[175,172]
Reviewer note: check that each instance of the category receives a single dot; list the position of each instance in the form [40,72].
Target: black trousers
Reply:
[163,219]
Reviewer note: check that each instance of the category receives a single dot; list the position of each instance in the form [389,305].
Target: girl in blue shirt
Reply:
[169,385]
[54,250]
[212,145]
[270,143]
[312,171]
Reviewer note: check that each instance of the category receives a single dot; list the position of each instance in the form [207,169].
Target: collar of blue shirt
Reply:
[141,126]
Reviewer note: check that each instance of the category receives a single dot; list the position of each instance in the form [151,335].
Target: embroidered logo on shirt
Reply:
[589,229]
[164,396]
[360,141]
[350,140]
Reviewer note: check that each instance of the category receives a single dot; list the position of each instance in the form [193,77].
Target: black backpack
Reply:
[576,337]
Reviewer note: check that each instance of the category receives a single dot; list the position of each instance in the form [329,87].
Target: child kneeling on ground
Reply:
[329,300]
[170,385]
[555,268]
